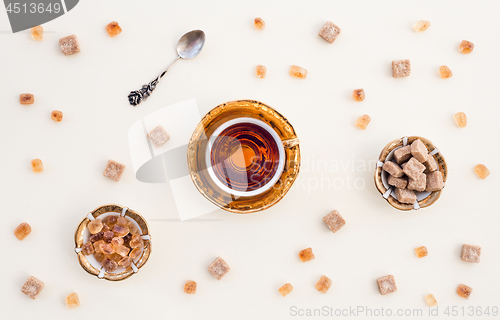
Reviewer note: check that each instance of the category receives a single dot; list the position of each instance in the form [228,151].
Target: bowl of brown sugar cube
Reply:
[410,173]
[113,242]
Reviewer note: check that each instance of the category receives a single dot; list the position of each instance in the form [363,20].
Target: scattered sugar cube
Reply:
[405,196]
[285,289]
[219,268]
[481,171]
[413,168]
[445,72]
[259,23]
[393,169]
[190,287]
[363,121]
[358,95]
[398,182]
[402,154]
[306,255]
[329,31]
[419,150]
[37,165]
[158,135]
[334,221]
[434,181]
[464,291]
[22,231]
[418,184]
[72,300]
[113,29]
[323,285]
[471,253]
[421,252]
[56,115]
[298,72]
[261,71]
[26,98]
[69,45]
[401,68]
[431,301]
[421,25]
[460,119]
[466,47]
[37,33]
[114,170]
[430,164]
[32,287]
[387,285]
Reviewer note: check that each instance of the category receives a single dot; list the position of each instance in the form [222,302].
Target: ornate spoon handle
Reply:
[136,97]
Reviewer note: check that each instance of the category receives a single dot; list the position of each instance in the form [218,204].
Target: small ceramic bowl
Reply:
[424,199]
[90,264]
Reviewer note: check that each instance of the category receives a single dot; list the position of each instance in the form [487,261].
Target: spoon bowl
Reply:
[190,44]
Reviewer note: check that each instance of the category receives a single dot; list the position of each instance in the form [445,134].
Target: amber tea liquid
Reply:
[245,156]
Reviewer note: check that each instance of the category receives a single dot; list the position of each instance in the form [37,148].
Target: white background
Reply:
[91,89]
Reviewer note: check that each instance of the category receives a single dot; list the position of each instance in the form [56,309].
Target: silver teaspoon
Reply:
[188,47]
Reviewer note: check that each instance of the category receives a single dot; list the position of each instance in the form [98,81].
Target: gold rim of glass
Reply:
[197,162]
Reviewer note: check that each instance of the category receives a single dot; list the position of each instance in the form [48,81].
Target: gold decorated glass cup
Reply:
[90,264]
[424,199]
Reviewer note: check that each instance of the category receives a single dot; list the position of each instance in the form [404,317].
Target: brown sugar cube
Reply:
[387,285]
[358,95]
[37,33]
[88,248]
[97,246]
[298,72]
[114,170]
[464,291]
[393,169]
[106,248]
[95,226]
[405,196]
[334,221]
[135,253]
[260,71]
[26,98]
[445,72]
[190,287]
[431,301]
[419,150]
[401,68]
[418,184]
[460,119]
[329,31]
[285,289]
[56,115]
[430,164]
[323,285]
[434,181]
[69,45]
[413,168]
[158,136]
[219,268]
[32,287]
[398,182]
[109,265]
[481,171]
[363,122]
[402,154]
[72,300]
[421,25]
[22,231]
[113,29]
[466,47]
[36,165]
[259,23]
[471,253]
[125,262]
[421,252]
[306,255]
